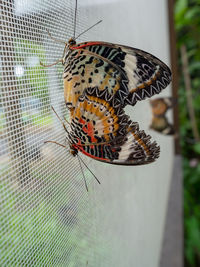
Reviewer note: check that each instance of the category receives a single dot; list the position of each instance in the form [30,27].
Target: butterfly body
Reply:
[100,79]
[121,72]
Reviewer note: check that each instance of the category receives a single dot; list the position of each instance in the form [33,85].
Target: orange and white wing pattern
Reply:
[124,73]
[104,132]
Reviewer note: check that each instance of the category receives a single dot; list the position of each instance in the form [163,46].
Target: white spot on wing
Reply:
[130,66]
[127,148]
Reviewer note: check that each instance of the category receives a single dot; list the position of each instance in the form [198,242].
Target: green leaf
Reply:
[193,239]
[194,66]
[192,12]
[180,9]
[180,6]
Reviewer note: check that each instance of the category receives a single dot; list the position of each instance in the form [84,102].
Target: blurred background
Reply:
[187,25]
[145,216]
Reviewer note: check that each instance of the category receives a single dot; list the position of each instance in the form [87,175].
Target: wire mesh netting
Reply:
[44,216]
[47,218]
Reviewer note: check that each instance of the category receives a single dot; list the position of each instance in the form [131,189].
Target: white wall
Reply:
[133,199]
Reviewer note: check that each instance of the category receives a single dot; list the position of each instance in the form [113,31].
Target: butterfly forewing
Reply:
[123,72]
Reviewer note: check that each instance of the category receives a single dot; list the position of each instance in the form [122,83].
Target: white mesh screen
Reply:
[44,216]
[47,218]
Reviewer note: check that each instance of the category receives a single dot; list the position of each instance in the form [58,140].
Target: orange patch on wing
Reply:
[88,109]
[139,140]
[100,114]
[89,130]
[69,91]
[148,83]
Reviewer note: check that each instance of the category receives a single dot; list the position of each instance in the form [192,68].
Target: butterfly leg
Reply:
[54,142]
[54,39]
[82,173]
[60,120]
[90,170]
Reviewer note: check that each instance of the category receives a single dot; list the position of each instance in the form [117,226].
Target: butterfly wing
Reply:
[127,73]
[135,148]
[105,133]
[85,68]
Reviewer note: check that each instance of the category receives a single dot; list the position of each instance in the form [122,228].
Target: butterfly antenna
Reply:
[60,120]
[67,121]
[54,142]
[75,14]
[51,65]
[88,29]
[82,172]
[89,170]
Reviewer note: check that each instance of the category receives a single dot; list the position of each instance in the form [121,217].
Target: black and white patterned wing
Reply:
[123,72]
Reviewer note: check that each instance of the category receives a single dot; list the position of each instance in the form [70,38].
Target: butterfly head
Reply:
[71,42]
[73,151]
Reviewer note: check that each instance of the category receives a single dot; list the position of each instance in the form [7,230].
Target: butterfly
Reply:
[105,133]
[159,121]
[124,73]
[100,79]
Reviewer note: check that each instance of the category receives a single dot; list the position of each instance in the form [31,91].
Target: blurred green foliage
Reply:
[40,226]
[187,23]
[31,83]
[34,82]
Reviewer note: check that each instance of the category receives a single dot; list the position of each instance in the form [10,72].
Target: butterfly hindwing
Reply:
[104,132]
[127,73]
